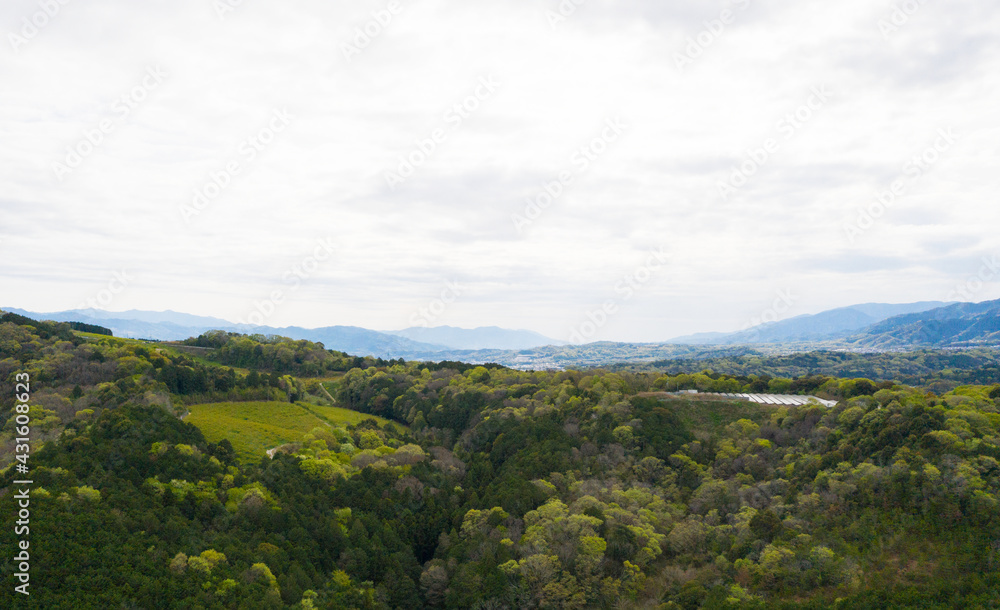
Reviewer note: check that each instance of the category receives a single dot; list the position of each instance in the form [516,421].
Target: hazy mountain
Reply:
[355,340]
[866,326]
[133,315]
[958,325]
[154,317]
[700,338]
[487,337]
[174,326]
[828,325]
[155,325]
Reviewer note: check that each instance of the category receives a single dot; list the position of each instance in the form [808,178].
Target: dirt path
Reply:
[330,396]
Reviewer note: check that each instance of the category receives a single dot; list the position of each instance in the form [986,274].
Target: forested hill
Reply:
[939,370]
[495,488]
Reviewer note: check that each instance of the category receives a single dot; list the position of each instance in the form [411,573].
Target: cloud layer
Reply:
[438,141]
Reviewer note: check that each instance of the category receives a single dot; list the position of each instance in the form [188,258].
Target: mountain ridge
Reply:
[955,325]
[166,326]
[823,326]
[921,325]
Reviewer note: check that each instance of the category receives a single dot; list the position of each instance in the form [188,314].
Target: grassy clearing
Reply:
[255,427]
[198,354]
[713,416]
[80,333]
[339,416]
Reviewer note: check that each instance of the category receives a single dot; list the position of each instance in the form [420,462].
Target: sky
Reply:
[601,170]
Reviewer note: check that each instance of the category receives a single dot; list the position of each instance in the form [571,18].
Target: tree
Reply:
[766,525]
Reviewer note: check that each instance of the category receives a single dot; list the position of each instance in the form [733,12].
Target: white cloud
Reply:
[325,174]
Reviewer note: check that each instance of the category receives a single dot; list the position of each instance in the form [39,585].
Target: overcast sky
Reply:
[739,142]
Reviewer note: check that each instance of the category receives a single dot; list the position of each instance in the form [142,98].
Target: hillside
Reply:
[499,488]
[936,370]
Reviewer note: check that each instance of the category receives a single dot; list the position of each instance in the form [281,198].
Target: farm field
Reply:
[340,416]
[255,427]
[712,416]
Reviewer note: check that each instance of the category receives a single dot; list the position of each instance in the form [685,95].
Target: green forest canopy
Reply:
[506,489]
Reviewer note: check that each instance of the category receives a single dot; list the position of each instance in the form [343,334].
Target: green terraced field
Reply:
[255,427]
[341,416]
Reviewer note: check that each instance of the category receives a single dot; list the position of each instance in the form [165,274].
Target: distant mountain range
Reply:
[957,325]
[826,326]
[414,343]
[867,327]
[920,325]
[875,326]
[159,325]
